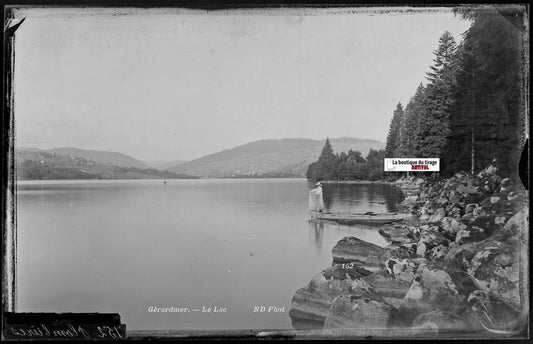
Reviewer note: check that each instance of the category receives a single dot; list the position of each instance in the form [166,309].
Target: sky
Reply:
[174,84]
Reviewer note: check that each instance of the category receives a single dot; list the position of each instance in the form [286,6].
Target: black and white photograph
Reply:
[341,172]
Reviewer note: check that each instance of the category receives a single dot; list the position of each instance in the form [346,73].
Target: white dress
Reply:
[316,202]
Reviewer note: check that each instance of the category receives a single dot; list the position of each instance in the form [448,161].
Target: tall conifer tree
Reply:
[410,127]
[487,121]
[434,123]
[394,136]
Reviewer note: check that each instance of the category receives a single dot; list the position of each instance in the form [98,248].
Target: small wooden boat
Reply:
[367,218]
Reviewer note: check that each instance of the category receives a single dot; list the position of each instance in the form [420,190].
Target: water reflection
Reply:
[361,197]
[329,194]
[319,230]
[316,231]
[356,198]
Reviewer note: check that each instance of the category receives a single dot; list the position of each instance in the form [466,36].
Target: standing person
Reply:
[316,202]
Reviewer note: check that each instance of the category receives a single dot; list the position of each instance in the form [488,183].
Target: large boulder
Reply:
[409,201]
[480,211]
[511,197]
[517,224]
[496,266]
[442,202]
[404,269]
[454,197]
[487,311]
[455,210]
[394,283]
[392,289]
[441,321]
[399,251]
[459,256]
[439,214]
[313,301]
[468,189]
[479,228]
[438,252]
[469,208]
[488,171]
[517,227]
[499,262]
[411,220]
[398,233]
[428,207]
[433,288]
[511,205]
[364,254]
[360,312]
[451,225]
[430,237]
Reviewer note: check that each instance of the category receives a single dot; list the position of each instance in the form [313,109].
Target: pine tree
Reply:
[326,166]
[434,124]
[487,121]
[460,148]
[355,156]
[444,57]
[327,152]
[394,136]
[410,126]
[374,165]
[311,172]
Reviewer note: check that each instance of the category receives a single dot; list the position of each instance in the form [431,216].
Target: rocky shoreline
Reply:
[458,264]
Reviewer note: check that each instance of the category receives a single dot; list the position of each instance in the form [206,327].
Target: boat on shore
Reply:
[353,218]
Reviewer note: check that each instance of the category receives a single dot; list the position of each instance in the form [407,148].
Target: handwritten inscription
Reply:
[107,331]
[68,331]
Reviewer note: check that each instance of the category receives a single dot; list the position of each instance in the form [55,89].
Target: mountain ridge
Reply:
[109,157]
[48,165]
[106,157]
[162,164]
[291,155]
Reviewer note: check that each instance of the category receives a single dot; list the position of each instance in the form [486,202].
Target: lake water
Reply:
[123,246]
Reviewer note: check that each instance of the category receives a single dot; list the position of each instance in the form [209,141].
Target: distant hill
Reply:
[113,158]
[105,157]
[285,156]
[163,165]
[35,164]
[29,149]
